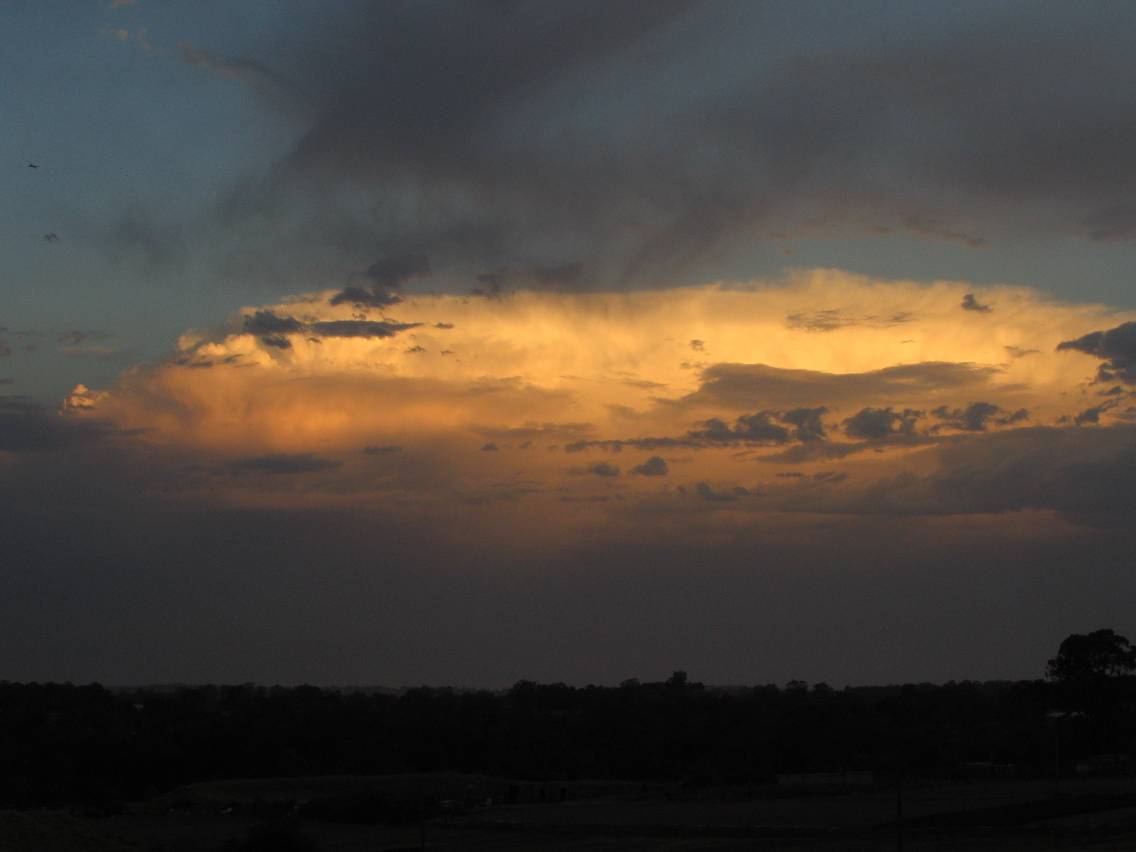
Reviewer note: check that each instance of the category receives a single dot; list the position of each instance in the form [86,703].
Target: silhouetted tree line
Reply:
[61,743]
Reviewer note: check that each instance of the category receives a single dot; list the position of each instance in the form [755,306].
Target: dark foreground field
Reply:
[1087,814]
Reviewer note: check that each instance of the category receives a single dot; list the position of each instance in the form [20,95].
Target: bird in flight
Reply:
[32,166]
[52,237]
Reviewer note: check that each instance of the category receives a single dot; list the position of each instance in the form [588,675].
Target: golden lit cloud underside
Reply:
[797,396]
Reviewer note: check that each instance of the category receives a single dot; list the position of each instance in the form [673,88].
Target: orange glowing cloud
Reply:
[827,378]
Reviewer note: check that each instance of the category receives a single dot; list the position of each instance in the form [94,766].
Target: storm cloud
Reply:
[1116,347]
[785,136]
[361,328]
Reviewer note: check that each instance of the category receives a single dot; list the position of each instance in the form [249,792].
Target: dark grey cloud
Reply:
[367,297]
[273,329]
[970,303]
[977,416]
[281,463]
[762,428]
[654,466]
[876,423]
[1090,475]
[218,591]
[757,428]
[387,275]
[100,554]
[27,426]
[604,469]
[489,447]
[973,418]
[616,445]
[393,271]
[266,322]
[1092,415]
[361,328]
[1116,347]
[201,362]
[934,122]
[708,492]
[808,423]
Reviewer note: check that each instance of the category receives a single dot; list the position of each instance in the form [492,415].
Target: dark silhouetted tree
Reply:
[1088,658]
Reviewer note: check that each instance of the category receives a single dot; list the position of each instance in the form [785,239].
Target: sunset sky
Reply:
[459,343]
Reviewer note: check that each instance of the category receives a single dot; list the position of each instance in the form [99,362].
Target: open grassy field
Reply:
[1090,814]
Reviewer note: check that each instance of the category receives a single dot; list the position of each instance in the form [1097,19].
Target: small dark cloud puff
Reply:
[654,466]
[970,303]
[276,342]
[1116,347]
[876,423]
[393,271]
[604,469]
[977,416]
[387,274]
[708,492]
[361,328]
[761,427]
[445,326]
[281,463]
[698,345]
[808,423]
[489,447]
[266,322]
[1092,415]
[757,428]
[366,297]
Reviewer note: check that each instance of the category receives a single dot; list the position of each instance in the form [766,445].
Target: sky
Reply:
[466,342]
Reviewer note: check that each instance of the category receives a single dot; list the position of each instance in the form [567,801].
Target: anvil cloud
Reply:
[462,341]
[556,382]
